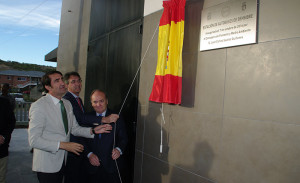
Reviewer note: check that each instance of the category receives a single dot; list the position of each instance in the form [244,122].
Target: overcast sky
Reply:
[29,30]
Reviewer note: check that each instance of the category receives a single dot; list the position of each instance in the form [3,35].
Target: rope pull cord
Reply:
[114,144]
[161,129]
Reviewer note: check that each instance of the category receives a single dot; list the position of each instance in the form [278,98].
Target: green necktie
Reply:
[64,115]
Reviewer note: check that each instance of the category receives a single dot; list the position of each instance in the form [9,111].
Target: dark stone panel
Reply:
[140,128]
[96,68]
[122,65]
[123,62]
[193,10]
[189,73]
[99,19]
[138,166]
[107,15]
[125,11]
[190,51]
[154,169]
[113,61]
[180,175]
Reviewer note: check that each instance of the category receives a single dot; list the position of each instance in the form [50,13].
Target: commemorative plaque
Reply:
[229,24]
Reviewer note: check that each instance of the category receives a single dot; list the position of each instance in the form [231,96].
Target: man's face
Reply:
[99,102]
[74,85]
[57,88]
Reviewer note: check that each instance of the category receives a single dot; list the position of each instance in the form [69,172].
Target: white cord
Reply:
[138,69]
[161,130]
[114,145]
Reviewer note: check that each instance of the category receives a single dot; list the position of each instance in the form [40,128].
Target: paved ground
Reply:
[20,159]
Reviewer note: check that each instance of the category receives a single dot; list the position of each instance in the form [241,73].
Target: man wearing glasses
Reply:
[75,171]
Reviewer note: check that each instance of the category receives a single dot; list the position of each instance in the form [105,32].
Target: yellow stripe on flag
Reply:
[175,54]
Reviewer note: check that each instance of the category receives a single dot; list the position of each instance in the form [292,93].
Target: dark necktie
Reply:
[101,124]
[64,115]
[79,103]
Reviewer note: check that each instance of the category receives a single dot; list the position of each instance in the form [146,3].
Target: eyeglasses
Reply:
[76,81]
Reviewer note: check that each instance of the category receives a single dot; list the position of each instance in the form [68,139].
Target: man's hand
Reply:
[103,129]
[94,160]
[115,154]
[2,140]
[110,119]
[71,147]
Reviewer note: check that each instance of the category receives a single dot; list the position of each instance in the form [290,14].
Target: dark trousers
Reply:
[75,169]
[102,176]
[51,177]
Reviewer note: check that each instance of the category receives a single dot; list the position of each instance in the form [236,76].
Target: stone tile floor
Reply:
[20,159]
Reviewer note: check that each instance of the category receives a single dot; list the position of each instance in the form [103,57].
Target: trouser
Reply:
[75,169]
[3,168]
[102,176]
[56,177]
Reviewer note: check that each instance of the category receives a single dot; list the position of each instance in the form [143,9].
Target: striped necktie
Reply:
[79,103]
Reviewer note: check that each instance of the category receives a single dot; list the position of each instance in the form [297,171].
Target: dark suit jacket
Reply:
[7,124]
[103,146]
[83,119]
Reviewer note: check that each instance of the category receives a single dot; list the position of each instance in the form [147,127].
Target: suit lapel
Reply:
[74,101]
[53,112]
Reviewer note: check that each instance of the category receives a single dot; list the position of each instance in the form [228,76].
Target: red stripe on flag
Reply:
[166,89]
[173,11]
[165,18]
[177,7]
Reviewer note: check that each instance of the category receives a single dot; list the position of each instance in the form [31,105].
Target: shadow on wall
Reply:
[155,164]
[190,51]
[203,159]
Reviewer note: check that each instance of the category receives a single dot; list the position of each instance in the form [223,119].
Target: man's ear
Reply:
[48,87]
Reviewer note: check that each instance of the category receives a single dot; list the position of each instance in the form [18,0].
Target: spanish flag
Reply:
[168,77]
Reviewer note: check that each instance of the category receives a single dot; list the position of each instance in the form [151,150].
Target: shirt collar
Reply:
[102,114]
[75,96]
[54,99]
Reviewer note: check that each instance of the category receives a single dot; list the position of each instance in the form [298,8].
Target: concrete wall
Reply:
[73,37]
[243,125]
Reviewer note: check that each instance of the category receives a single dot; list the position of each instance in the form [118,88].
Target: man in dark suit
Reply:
[105,150]
[75,173]
[7,124]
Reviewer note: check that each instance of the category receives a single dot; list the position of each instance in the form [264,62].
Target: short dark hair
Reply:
[46,81]
[97,90]
[5,89]
[6,85]
[69,74]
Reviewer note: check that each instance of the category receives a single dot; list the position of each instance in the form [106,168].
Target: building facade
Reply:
[238,121]
[20,79]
